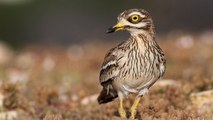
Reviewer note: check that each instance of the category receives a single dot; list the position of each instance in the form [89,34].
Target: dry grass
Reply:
[61,83]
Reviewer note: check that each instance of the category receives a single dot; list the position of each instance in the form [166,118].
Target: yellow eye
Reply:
[135,18]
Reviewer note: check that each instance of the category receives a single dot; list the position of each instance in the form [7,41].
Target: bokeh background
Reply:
[68,21]
[51,53]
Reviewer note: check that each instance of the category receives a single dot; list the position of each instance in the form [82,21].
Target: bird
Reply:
[134,65]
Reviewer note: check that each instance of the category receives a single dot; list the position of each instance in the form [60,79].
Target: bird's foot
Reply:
[134,107]
[133,113]
[122,113]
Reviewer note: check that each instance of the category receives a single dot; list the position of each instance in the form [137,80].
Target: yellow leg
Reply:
[134,107]
[121,110]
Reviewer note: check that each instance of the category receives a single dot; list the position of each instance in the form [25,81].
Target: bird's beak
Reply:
[117,27]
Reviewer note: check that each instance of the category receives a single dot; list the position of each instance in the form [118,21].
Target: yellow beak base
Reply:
[117,27]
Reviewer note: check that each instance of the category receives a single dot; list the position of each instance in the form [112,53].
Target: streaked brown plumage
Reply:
[134,65]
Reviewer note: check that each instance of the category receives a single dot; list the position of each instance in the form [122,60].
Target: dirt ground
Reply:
[55,83]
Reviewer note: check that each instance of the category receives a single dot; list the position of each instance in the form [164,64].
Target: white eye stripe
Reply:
[126,22]
[137,13]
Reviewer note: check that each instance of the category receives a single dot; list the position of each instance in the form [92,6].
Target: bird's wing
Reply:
[109,69]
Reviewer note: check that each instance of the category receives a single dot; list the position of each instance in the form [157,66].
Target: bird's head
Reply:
[134,21]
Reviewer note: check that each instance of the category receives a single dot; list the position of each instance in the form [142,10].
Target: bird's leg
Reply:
[121,110]
[134,107]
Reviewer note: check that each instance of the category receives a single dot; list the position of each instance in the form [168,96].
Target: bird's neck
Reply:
[143,39]
[143,36]
[143,32]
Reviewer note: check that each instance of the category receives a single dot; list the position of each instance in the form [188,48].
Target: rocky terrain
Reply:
[56,83]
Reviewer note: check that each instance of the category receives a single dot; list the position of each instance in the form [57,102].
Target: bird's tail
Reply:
[107,94]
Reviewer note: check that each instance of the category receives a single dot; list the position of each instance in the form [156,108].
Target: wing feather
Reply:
[109,69]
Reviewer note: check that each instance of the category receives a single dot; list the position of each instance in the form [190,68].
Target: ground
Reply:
[58,83]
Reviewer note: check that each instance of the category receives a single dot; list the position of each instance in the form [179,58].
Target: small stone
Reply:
[10,115]
[167,82]
[89,99]
[203,101]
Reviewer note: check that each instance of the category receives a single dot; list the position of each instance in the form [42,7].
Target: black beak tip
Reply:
[110,30]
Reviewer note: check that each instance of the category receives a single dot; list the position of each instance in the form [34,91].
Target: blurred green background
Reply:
[61,22]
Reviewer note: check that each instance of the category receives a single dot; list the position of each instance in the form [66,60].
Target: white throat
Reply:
[135,32]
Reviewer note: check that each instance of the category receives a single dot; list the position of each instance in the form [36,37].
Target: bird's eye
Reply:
[134,19]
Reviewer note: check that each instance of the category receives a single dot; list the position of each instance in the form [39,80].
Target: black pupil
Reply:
[135,18]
